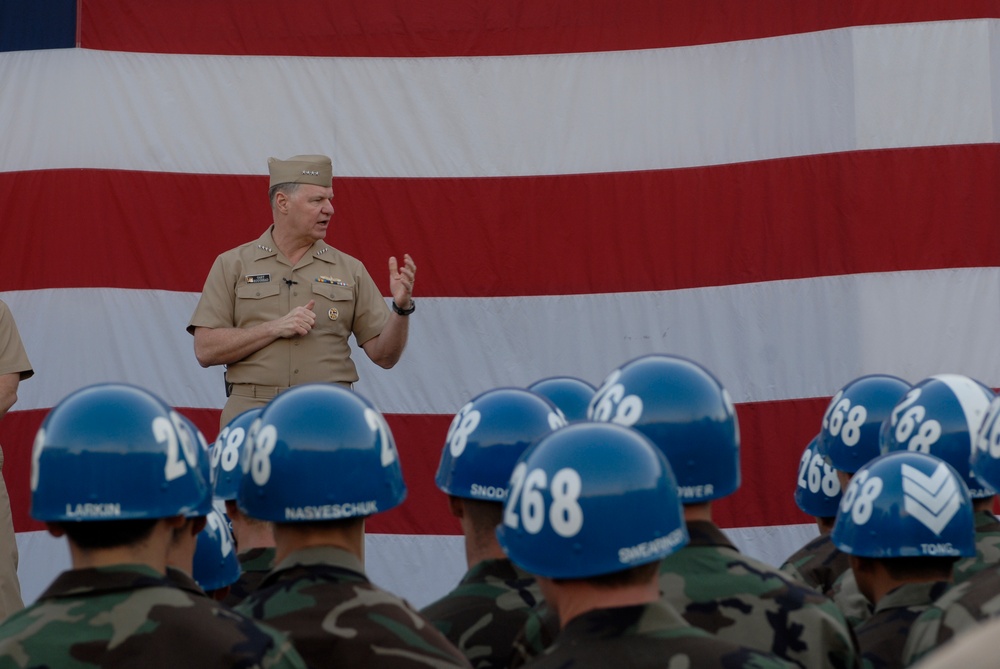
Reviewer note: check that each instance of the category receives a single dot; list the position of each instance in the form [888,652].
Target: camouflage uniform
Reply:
[335,617]
[848,598]
[818,564]
[987,548]
[185,582]
[959,609]
[488,609]
[255,564]
[881,638]
[971,597]
[130,616]
[747,602]
[651,635]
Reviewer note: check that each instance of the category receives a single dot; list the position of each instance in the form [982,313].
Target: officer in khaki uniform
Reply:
[279,311]
[14,368]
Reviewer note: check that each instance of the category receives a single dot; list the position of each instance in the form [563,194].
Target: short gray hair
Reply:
[286,188]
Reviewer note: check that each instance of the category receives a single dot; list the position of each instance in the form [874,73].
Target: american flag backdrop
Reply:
[793,193]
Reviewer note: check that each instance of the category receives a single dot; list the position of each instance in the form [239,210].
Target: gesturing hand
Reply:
[401,280]
[297,322]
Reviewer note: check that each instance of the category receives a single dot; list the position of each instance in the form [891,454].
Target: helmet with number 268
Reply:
[905,504]
[850,433]
[204,460]
[684,410]
[941,416]
[817,490]
[986,453]
[319,452]
[486,438]
[114,451]
[591,499]
[227,454]
[571,395]
[215,561]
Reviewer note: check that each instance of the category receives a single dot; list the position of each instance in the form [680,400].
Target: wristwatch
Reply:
[404,312]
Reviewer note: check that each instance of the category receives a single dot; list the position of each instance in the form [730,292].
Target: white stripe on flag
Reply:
[766,341]
[871,87]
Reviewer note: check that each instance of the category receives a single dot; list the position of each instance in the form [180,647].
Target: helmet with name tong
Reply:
[941,415]
[591,499]
[849,436]
[114,451]
[319,452]
[685,411]
[905,504]
[227,451]
[571,395]
[817,489]
[486,438]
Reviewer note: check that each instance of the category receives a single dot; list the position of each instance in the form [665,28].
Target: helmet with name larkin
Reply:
[591,499]
[850,433]
[941,416]
[319,452]
[226,454]
[571,395]
[486,438]
[114,451]
[905,504]
[817,491]
[684,410]
[215,561]
[204,465]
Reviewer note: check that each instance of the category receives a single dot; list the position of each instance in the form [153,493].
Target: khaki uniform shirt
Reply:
[13,360]
[249,285]
[13,357]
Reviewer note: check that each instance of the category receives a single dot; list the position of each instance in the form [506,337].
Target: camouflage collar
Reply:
[103,580]
[322,555]
[257,559]
[500,568]
[986,522]
[182,580]
[705,533]
[920,595]
[612,622]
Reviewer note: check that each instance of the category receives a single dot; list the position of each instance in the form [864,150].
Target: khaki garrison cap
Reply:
[316,170]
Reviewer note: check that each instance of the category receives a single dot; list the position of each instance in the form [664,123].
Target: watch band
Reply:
[404,312]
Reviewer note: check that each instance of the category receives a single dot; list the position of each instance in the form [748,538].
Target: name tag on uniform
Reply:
[257,278]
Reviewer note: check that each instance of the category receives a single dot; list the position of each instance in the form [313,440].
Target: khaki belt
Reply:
[266,392]
[253,390]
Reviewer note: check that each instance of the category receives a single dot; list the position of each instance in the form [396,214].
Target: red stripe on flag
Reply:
[823,215]
[476,28]
[774,434]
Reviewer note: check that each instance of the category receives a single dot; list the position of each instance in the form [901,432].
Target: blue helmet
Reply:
[905,504]
[818,489]
[226,454]
[319,452]
[215,561]
[204,462]
[853,418]
[486,438]
[571,395]
[114,452]
[591,499]
[986,454]
[685,412]
[941,415]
